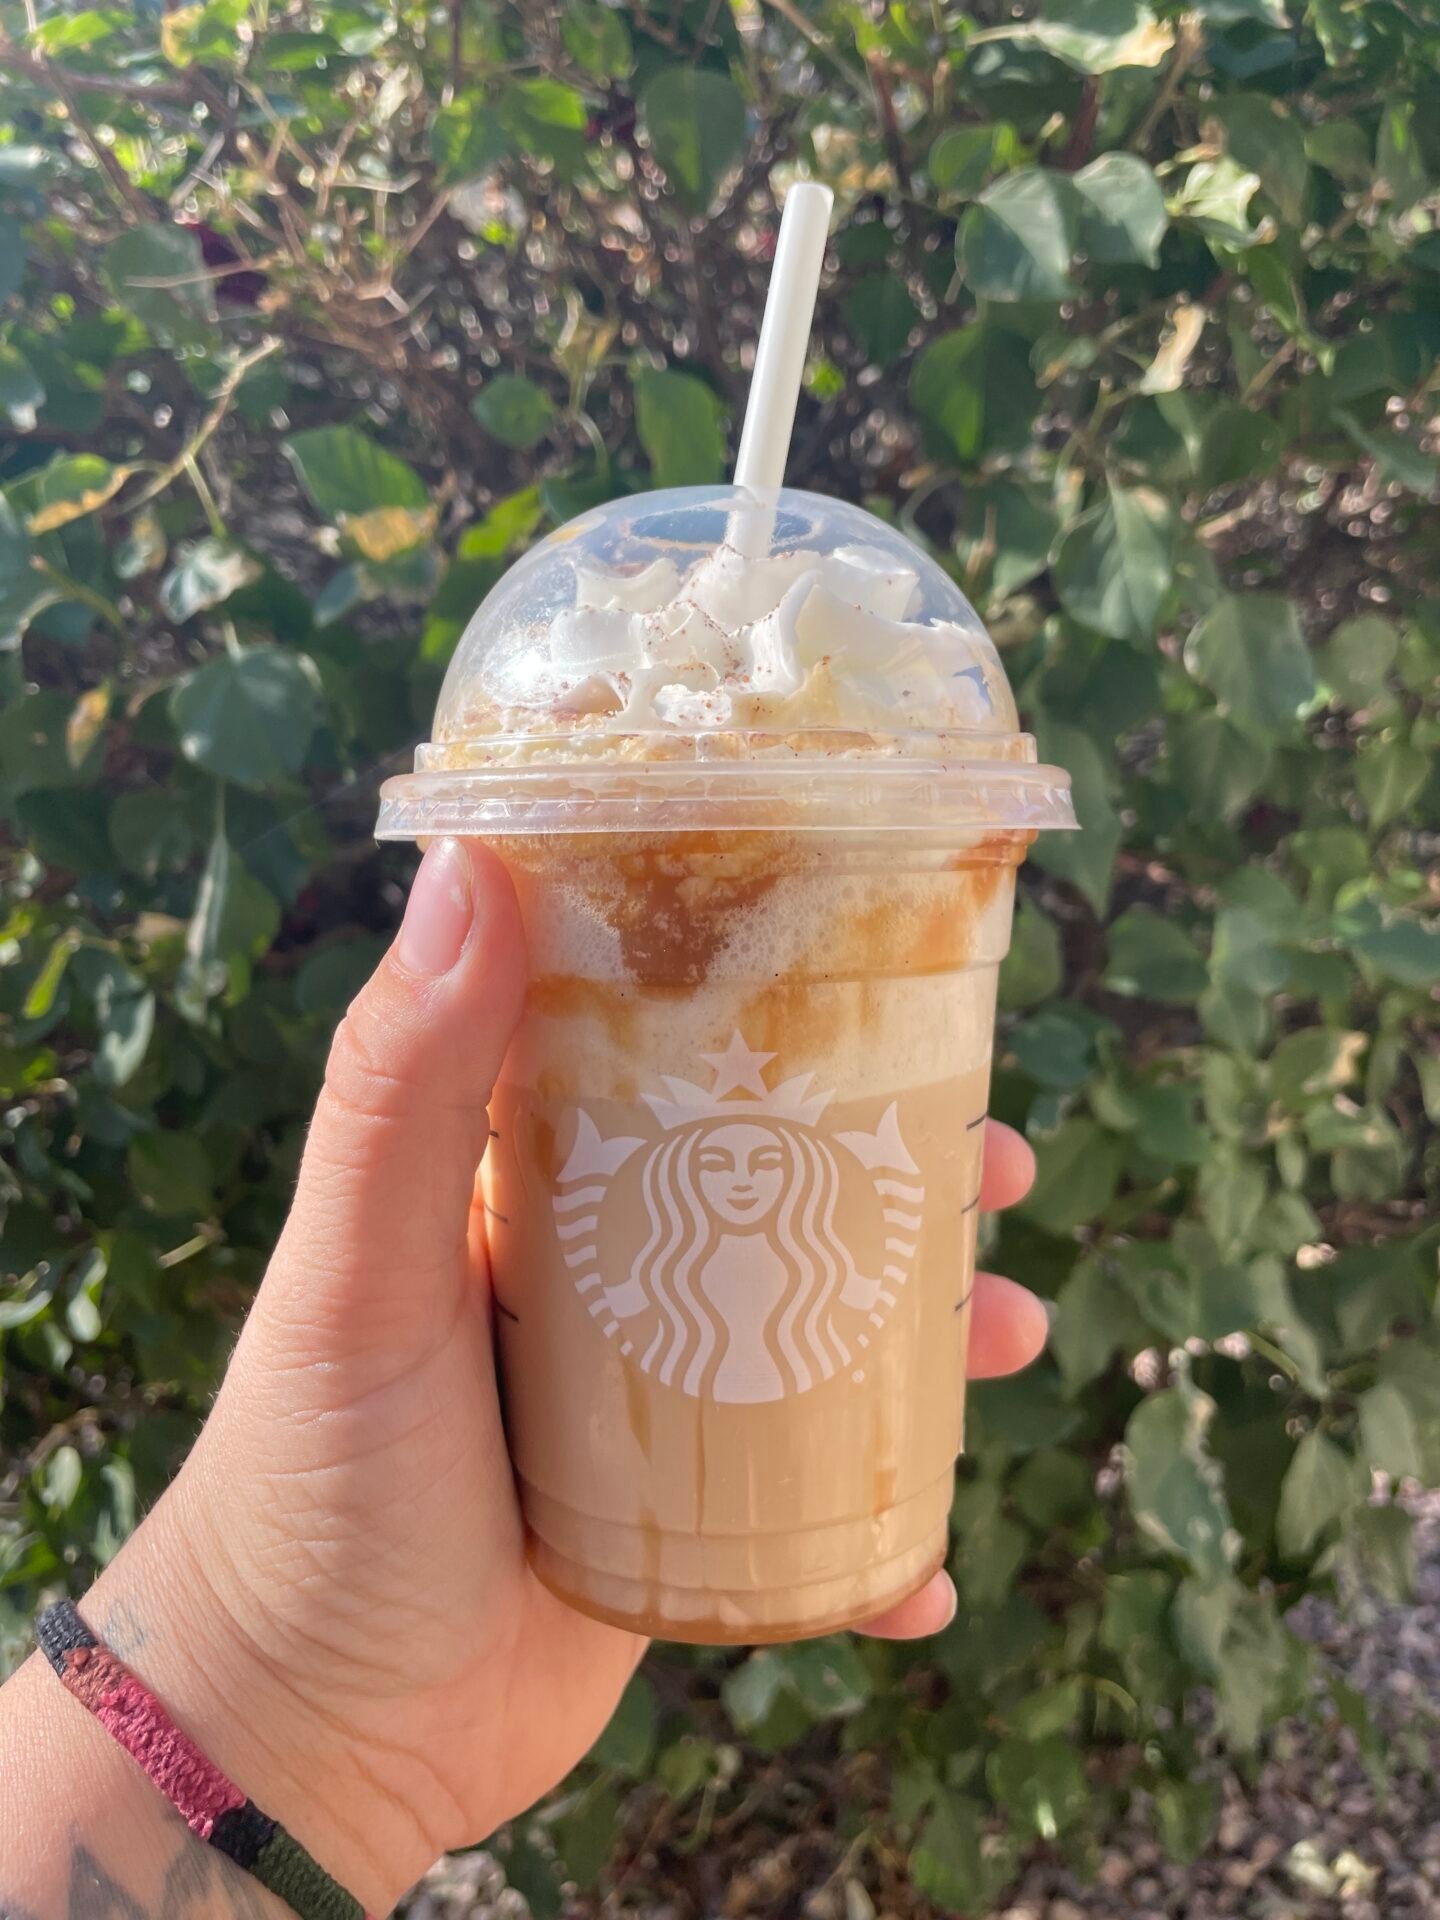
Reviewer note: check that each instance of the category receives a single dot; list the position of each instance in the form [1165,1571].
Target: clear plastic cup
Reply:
[755,767]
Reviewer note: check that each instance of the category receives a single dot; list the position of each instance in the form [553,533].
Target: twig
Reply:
[185,460]
[1190,40]
[34,66]
[59,84]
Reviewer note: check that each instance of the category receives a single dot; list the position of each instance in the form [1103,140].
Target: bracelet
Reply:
[213,1807]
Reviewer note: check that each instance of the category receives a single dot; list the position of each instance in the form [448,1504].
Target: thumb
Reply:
[373,1256]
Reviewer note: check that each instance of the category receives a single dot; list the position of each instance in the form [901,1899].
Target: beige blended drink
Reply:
[755,768]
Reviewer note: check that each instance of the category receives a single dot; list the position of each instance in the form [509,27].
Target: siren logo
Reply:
[737,1280]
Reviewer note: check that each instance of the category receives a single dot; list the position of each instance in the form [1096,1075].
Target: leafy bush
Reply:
[313,317]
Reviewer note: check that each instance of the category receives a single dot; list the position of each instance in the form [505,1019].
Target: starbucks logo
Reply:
[716,1248]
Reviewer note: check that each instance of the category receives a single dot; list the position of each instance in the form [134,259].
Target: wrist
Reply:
[170,1606]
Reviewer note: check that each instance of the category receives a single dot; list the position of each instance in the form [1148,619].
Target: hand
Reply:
[334,1594]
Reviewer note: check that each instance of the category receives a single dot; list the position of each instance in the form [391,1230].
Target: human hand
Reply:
[334,1595]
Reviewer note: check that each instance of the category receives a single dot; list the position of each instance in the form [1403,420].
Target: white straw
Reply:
[784,337]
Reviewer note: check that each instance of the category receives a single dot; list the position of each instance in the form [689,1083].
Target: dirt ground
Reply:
[1318,1835]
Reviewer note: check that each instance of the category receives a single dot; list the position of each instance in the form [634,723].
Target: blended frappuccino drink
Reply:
[755,768]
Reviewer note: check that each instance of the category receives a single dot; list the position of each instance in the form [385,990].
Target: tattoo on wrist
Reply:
[199,1884]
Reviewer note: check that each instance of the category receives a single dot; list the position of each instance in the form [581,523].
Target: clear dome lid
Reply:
[704,655]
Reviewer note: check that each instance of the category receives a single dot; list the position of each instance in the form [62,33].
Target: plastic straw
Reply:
[784,337]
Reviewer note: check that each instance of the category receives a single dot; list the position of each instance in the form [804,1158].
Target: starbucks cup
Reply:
[754,766]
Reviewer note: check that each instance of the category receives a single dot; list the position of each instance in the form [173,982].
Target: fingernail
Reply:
[438,912]
[952,1609]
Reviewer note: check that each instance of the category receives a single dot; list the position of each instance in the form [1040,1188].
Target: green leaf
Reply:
[171,1172]
[1389,1437]
[1215,198]
[975,390]
[1398,461]
[597,38]
[880,313]
[628,1742]
[1216,767]
[1077,1174]
[1321,1485]
[1042,1784]
[1262,137]
[1004,537]
[344,471]
[1122,211]
[1016,241]
[1175,1487]
[1032,970]
[1389,777]
[1402,950]
[1399,158]
[513,410]
[1314,1063]
[158,273]
[547,119]
[207,575]
[680,421]
[1250,651]
[1086,858]
[962,158]
[467,138]
[1099,36]
[584,1833]
[1357,658]
[947,1861]
[21,391]
[696,124]
[829,1676]
[1114,566]
[1231,1191]
[751,1690]
[1152,957]
[248,717]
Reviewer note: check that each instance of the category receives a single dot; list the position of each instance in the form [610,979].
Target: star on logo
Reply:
[738,1066]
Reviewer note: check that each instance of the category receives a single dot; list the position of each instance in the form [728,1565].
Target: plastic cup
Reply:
[755,768]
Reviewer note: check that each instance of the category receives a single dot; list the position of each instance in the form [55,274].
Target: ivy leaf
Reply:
[1099,36]
[467,137]
[1176,1492]
[1016,241]
[1389,1436]
[962,158]
[1215,197]
[345,471]
[157,272]
[1114,566]
[680,421]
[1215,765]
[1358,656]
[514,410]
[1390,776]
[1078,1171]
[597,38]
[696,124]
[975,391]
[1122,212]
[1153,957]
[1397,458]
[207,575]
[248,717]
[1250,652]
[1321,1484]
[1264,138]
[881,313]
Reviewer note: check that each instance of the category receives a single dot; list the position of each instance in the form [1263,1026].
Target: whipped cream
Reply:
[799,638]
